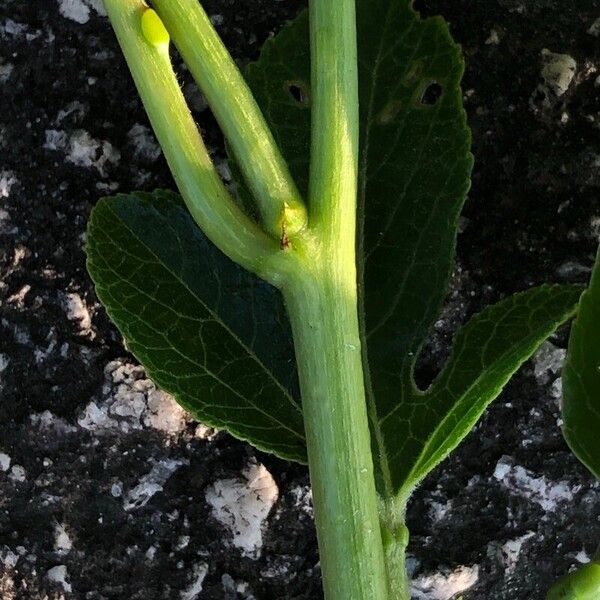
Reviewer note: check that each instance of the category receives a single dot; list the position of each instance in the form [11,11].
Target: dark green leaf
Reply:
[207,331]
[581,379]
[486,353]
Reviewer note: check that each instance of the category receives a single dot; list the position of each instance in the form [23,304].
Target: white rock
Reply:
[98,6]
[55,139]
[197,576]
[444,586]
[77,310]
[303,499]
[164,414]
[502,469]
[511,550]
[242,505]
[76,10]
[7,180]
[49,421]
[549,495]
[595,28]
[59,574]
[62,542]
[493,38]
[572,269]
[557,388]
[8,558]
[95,417]
[75,108]
[204,432]
[18,297]
[548,362]
[17,474]
[558,71]
[437,511]
[116,490]
[13,28]
[85,151]
[152,482]
[4,461]
[582,557]
[144,143]
[6,68]
[182,542]
[79,10]
[130,402]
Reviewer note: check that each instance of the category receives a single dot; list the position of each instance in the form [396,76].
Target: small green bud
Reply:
[583,584]
[154,29]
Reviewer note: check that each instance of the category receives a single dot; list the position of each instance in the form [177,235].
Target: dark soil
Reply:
[533,216]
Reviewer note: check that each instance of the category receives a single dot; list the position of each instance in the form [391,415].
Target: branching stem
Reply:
[238,114]
[197,179]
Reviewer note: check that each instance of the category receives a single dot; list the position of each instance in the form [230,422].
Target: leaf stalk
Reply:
[280,205]
[196,176]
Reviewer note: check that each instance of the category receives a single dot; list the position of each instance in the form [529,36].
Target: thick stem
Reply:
[322,304]
[280,205]
[197,179]
[325,326]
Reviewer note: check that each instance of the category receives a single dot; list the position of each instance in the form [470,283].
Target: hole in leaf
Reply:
[390,112]
[431,94]
[299,91]
[420,6]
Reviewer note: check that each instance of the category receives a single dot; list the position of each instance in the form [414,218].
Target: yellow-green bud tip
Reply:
[153,29]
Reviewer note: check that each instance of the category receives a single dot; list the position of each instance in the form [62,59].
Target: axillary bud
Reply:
[154,29]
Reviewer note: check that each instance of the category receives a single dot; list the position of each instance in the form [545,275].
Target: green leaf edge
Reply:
[424,466]
[573,383]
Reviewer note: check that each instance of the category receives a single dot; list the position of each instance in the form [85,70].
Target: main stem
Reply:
[324,322]
[322,304]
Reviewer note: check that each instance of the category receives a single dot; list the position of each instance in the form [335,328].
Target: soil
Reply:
[106,487]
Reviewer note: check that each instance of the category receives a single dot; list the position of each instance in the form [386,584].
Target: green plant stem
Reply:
[327,342]
[322,304]
[334,129]
[395,540]
[197,179]
[238,114]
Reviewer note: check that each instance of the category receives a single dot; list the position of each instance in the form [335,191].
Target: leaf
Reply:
[581,379]
[486,353]
[207,331]
[413,178]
